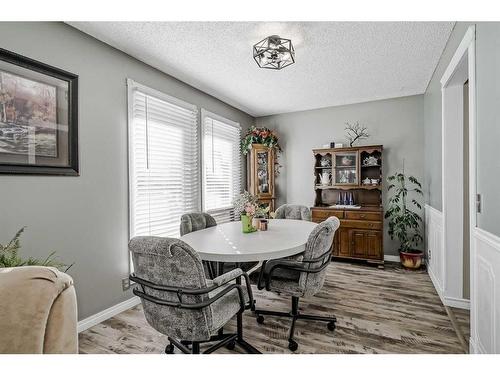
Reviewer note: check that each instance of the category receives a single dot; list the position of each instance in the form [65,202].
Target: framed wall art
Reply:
[38,117]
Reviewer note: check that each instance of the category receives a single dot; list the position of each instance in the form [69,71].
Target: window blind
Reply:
[221,180]
[163,165]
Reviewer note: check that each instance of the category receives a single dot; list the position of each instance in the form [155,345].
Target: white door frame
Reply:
[465,49]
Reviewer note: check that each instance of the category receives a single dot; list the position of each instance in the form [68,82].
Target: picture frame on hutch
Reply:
[38,117]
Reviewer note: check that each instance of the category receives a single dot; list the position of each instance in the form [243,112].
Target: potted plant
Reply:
[263,136]
[9,256]
[404,223]
[247,206]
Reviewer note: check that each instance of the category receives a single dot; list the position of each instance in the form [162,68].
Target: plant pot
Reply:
[246,224]
[411,261]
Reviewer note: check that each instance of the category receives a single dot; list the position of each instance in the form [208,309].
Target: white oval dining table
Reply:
[227,243]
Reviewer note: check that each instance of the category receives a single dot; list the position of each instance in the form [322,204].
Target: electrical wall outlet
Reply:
[126,284]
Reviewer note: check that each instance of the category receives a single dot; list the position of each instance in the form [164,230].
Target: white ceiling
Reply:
[336,62]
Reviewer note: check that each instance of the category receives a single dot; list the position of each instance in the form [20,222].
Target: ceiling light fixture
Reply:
[274,53]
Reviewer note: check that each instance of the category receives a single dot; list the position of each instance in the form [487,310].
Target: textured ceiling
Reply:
[336,62]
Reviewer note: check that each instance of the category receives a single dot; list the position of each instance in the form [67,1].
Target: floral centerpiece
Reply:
[247,206]
[263,136]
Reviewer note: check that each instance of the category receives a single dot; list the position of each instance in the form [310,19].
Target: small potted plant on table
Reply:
[404,223]
[247,206]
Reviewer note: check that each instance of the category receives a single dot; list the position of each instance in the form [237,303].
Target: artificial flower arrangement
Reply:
[262,136]
[247,206]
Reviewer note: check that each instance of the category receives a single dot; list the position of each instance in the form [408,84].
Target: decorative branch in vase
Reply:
[355,132]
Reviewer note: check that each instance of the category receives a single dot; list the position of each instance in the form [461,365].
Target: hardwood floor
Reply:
[462,317]
[378,311]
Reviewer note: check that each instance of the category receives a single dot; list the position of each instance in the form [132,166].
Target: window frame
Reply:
[131,87]
[204,113]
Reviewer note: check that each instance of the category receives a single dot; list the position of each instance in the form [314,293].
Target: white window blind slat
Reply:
[163,165]
[221,167]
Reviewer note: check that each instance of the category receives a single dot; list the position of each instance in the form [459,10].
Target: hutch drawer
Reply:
[319,215]
[375,216]
[361,224]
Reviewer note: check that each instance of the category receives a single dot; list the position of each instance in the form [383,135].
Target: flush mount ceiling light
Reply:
[274,53]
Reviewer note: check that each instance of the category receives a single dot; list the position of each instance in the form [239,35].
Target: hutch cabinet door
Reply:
[358,243]
[344,248]
[345,168]
[374,244]
[335,245]
[262,171]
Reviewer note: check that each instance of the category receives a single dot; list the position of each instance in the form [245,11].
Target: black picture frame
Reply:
[71,168]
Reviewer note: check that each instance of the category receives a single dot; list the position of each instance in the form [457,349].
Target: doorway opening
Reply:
[458,173]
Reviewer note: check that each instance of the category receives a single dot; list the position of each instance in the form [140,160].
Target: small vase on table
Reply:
[246,224]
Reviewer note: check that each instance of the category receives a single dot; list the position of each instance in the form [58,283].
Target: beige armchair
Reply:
[37,311]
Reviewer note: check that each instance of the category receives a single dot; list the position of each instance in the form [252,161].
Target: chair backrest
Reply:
[319,243]
[172,262]
[293,211]
[196,221]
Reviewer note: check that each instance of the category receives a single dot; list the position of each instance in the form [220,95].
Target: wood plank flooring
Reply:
[378,311]
[462,317]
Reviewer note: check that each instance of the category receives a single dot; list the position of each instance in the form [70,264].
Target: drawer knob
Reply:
[362,216]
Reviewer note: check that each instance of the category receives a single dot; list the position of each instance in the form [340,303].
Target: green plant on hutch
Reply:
[263,136]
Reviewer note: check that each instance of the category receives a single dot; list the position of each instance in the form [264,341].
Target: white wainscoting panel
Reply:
[434,247]
[436,257]
[485,278]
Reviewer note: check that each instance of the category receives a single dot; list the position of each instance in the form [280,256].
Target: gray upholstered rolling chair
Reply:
[301,278]
[200,220]
[293,211]
[179,301]
[196,221]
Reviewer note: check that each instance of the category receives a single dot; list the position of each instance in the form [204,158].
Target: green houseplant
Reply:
[404,222]
[9,256]
[262,136]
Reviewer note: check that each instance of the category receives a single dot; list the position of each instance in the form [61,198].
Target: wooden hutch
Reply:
[348,184]
[260,174]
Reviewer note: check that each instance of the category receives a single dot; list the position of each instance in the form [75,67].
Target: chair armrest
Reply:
[269,267]
[195,305]
[227,277]
[232,275]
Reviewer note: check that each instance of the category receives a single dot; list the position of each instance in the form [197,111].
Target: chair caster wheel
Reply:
[292,345]
[169,349]
[260,319]
[331,325]
[231,345]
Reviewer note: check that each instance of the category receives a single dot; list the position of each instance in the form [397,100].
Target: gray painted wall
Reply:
[395,123]
[488,122]
[432,121]
[85,219]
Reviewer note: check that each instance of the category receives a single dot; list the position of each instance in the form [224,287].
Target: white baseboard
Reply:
[460,303]
[106,314]
[395,258]
[472,346]
[435,281]
[391,258]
